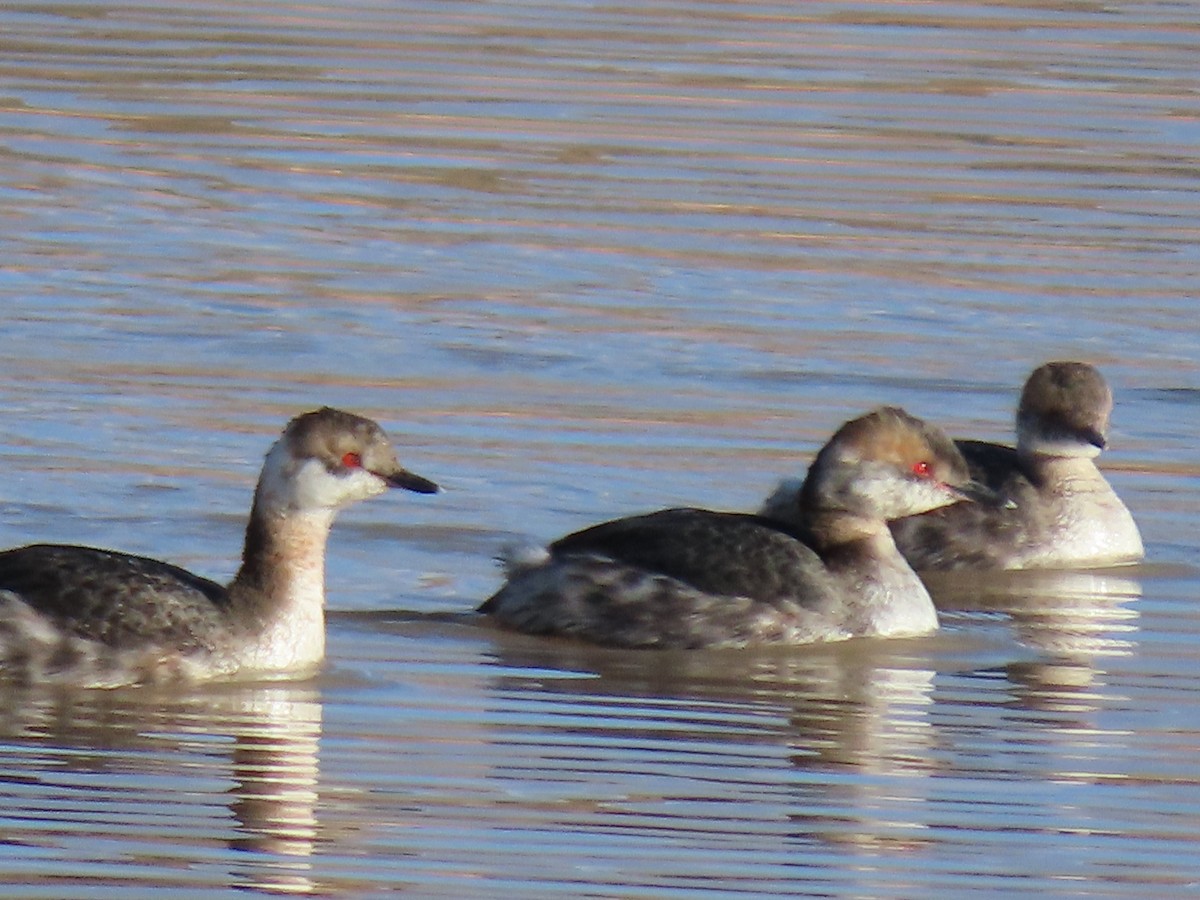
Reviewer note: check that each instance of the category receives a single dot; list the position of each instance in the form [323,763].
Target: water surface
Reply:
[584,260]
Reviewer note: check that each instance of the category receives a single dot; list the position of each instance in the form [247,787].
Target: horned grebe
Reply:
[1063,512]
[87,616]
[697,578]
[1060,510]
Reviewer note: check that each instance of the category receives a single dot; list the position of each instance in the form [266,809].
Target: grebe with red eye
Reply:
[698,578]
[1057,509]
[86,616]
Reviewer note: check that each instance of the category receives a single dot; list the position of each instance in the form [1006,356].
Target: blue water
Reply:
[582,261]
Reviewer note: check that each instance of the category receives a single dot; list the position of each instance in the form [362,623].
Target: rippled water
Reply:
[584,260]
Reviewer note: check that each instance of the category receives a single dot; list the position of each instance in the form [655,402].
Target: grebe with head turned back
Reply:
[1062,511]
[1059,510]
[698,578]
[82,615]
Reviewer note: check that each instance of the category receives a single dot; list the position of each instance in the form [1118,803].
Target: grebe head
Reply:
[1064,411]
[887,465]
[328,458]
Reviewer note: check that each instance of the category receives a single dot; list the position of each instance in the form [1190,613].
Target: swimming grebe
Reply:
[698,578]
[1059,509]
[1063,512]
[88,616]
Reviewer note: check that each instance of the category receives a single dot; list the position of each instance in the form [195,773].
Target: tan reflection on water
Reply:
[584,260]
[860,709]
[264,740]
[1077,621]
[274,798]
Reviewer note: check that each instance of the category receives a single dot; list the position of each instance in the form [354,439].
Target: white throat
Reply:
[289,484]
[1032,442]
[290,602]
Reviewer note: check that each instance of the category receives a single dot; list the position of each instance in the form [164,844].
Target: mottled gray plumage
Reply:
[90,616]
[699,578]
[114,598]
[715,552]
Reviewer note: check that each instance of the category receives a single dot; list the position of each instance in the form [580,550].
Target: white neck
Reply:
[279,593]
[886,597]
[1032,442]
[1067,474]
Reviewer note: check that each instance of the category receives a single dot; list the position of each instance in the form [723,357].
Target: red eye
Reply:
[922,469]
[352,461]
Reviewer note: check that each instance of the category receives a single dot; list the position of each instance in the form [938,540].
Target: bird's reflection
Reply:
[850,721]
[274,797]
[261,738]
[1074,620]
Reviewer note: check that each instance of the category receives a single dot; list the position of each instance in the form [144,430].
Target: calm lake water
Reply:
[583,260]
